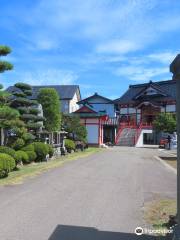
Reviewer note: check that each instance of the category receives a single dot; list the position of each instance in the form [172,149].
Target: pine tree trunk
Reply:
[2,136]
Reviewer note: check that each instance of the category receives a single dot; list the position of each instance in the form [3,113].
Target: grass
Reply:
[157,212]
[32,170]
[171,161]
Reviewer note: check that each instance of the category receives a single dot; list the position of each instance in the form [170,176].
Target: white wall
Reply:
[73,106]
[170,108]
[93,132]
[123,111]
[129,111]
[140,139]
[132,110]
[162,109]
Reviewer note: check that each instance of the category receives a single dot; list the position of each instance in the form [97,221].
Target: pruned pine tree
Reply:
[4,65]
[28,109]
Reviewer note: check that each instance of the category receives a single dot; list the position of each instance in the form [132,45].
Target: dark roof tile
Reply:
[166,86]
[64,91]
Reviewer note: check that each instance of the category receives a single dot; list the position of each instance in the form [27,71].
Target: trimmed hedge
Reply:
[7,164]
[18,158]
[29,147]
[18,144]
[8,151]
[70,145]
[28,137]
[41,149]
[22,156]
[31,155]
[51,150]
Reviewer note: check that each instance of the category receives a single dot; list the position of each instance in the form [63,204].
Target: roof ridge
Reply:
[155,82]
[95,94]
[56,85]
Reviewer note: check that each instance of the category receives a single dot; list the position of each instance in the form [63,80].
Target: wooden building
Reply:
[93,121]
[99,106]
[137,109]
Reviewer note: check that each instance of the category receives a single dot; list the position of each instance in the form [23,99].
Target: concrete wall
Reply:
[140,139]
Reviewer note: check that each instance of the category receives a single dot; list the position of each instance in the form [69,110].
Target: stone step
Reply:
[127,137]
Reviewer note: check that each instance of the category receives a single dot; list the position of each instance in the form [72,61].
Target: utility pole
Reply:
[175,69]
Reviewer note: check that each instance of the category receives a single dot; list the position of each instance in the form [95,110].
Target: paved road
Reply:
[100,197]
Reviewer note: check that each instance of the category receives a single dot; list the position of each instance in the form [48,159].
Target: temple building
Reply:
[128,120]
[137,109]
[98,114]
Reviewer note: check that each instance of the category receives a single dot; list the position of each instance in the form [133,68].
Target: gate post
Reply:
[175,69]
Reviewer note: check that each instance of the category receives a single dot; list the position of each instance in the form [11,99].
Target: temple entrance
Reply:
[108,134]
[150,138]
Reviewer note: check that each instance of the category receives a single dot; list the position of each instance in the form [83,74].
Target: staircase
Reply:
[126,137]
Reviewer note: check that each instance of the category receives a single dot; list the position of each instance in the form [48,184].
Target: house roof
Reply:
[166,89]
[87,111]
[90,115]
[64,91]
[95,95]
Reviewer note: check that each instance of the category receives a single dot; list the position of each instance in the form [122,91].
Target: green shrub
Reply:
[8,151]
[33,110]
[70,145]
[22,156]
[34,126]
[31,155]
[18,144]
[7,164]
[29,147]
[18,157]
[51,150]
[22,110]
[23,86]
[28,137]
[41,149]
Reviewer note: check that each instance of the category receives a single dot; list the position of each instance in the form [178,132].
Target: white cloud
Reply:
[100,21]
[140,73]
[97,32]
[49,77]
[45,44]
[117,47]
[162,57]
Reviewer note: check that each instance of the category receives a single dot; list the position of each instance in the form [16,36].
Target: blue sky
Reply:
[102,45]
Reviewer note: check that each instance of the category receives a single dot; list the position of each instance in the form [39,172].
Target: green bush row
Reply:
[7,164]
[38,151]
[70,145]
[9,158]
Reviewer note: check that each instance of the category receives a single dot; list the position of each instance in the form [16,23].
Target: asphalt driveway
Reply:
[100,197]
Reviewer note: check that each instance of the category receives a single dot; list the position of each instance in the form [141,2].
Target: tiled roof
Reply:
[64,91]
[89,115]
[169,87]
[86,100]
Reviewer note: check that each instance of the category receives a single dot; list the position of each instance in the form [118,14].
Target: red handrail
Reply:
[121,127]
[134,126]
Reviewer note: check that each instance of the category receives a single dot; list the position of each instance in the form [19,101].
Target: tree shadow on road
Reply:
[64,232]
